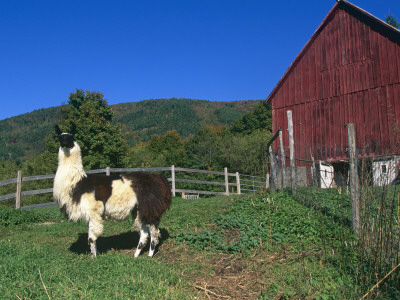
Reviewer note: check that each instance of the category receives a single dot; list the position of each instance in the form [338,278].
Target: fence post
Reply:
[18,192]
[355,206]
[273,169]
[267,181]
[173,180]
[283,164]
[108,171]
[292,154]
[238,183]
[314,170]
[226,181]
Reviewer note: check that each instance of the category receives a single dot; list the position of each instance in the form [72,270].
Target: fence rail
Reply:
[242,183]
[249,183]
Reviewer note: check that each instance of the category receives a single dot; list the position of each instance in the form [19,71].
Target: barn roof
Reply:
[369,19]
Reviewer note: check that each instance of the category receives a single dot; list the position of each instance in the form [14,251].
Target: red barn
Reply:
[348,72]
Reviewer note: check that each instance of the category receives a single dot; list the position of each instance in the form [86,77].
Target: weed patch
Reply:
[252,222]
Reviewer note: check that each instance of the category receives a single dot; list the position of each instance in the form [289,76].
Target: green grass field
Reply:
[242,247]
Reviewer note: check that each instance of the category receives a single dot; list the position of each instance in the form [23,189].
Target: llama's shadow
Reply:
[124,241]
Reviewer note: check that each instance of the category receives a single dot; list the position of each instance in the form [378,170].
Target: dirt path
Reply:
[223,276]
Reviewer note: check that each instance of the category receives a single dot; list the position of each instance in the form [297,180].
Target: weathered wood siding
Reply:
[349,72]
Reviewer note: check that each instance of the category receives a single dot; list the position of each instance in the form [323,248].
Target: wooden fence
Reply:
[250,185]
[352,162]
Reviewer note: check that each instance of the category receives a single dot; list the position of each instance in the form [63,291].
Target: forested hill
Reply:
[141,120]
[22,136]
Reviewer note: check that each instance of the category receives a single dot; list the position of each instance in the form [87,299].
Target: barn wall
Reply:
[349,73]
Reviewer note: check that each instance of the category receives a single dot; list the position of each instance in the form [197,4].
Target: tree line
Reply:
[239,147]
[21,137]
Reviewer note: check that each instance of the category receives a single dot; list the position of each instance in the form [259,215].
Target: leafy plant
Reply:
[251,222]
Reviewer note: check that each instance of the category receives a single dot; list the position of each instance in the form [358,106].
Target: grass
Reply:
[376,251]
[255,247]
[49,258]
[34,272]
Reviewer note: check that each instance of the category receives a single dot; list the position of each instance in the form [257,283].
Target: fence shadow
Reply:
[124,241]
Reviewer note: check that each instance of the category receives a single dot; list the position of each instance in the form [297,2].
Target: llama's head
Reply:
[66,139]
[69,155]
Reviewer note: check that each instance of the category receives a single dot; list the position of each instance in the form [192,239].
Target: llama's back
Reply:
[153,194]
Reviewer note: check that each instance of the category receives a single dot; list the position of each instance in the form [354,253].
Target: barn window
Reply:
[384,169]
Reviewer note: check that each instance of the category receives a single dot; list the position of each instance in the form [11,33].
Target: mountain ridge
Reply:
[22,136]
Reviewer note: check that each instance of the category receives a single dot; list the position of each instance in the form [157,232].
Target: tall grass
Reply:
[379,241]
[377,248]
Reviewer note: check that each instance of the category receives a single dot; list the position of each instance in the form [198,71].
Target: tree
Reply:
[45,163]
[101,141]
[139,156]
[203,150]
[245,153]
[169,147]
[259,119]
[8,170]
[391,20]
[160,151]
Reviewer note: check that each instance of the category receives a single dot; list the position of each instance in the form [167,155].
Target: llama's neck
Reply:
[69,172]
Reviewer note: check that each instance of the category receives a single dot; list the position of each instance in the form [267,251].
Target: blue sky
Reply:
[137,50]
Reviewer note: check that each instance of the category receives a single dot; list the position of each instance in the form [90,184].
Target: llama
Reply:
[93,197]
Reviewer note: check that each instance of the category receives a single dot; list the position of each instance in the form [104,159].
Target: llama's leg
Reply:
[95,229]
[155,236]
[144,234]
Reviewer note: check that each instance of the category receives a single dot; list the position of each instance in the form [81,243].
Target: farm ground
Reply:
[212,248]
[225,276]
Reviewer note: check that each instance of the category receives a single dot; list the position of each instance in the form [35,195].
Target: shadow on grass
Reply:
[124,241]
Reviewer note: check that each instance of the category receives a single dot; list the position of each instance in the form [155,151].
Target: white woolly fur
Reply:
[69,172]
[118,205]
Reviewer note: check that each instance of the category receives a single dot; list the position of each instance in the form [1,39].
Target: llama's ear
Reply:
[58,131]
[73,128]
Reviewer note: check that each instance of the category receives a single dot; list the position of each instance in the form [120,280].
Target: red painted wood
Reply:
[349,72]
